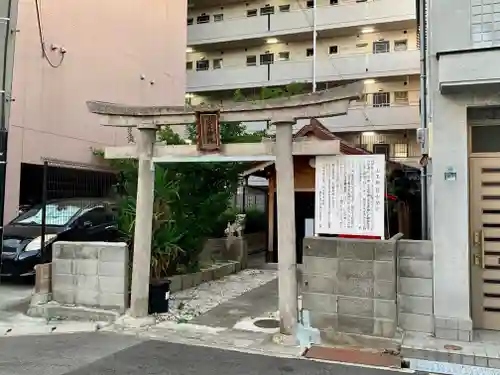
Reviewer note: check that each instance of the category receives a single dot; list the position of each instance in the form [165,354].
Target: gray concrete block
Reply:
[109,284]
[355,306]
[113,252]
[114,301]
[207,275]
[88,252]
[415,287]
[62,267]
[86,282]
[385,271]
[355,268]
[415,249]
[480,361]
[415,268]
[321,303]
[465,324]
[187,280]
[317,265]
[447,323]
[65,297]
[415,322]
[197,279]
[64,250]
[86,267]
[468,360]
[415,305]
[63,281]
[494,362]
[318,284]
[87,297]
[175,283]
[385,309]
[356,324]
[447,334]
[384,290]
[465,336]
[117,269]
[320,247]
[384,328]
[323,321]
[356,249]
[354,287]
[385,251]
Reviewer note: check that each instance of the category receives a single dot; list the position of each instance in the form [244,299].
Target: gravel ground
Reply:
[190,303]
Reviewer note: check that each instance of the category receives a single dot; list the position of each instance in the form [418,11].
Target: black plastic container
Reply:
[159,296]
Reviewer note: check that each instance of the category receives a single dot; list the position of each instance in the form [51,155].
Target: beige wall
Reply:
[109,44]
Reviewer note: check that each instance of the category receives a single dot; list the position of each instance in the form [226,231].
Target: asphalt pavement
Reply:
[103,353]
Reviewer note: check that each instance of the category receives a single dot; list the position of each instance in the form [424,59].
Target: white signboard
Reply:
[350,195]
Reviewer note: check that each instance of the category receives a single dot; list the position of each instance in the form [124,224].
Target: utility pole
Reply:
[8,18]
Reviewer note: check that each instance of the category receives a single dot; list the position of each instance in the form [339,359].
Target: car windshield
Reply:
[57,214]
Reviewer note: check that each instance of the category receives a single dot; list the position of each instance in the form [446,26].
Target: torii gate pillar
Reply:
[143,222]
[287,256]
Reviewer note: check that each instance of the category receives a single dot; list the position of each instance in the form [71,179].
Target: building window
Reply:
[218,17]
[333,50]
[252,60]
[381,47]
[284,56]
[401,97]
[309,52]
[189,65]
[284,8]
[202,65]
[267,59]
[400,150]
[190,21]
[204,18]
[401,45]
[310,3]
[217,63]
[251,12]
[381,99]
[268,9]
[334,2]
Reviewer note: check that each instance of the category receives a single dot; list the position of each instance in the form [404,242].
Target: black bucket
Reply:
[159,296]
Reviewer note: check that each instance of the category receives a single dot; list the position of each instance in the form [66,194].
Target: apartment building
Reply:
[464,78]
[69,52]
[250,44]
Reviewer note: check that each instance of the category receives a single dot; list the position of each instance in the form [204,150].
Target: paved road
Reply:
[13,294]
[100,354]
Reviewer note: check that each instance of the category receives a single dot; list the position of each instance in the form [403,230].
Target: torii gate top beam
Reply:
[326,103]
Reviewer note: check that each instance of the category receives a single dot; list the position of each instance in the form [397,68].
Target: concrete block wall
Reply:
[359,286]
[415,289]
[349,286]
[92,274]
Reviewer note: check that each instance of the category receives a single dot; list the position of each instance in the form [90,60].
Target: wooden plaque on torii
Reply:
[208,131]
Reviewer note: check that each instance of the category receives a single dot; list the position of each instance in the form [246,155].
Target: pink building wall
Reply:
[110,45]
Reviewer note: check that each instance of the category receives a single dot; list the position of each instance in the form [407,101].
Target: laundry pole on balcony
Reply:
[315,36]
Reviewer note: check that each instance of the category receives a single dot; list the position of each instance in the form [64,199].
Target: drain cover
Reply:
[267,323]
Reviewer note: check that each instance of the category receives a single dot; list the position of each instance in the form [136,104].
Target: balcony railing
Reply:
[349,14]
[396,145]
[343,67]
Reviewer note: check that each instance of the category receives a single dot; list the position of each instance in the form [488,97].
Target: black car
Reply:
[82,219]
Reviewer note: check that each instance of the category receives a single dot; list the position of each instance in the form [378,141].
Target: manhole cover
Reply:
[452,347]
[267,323]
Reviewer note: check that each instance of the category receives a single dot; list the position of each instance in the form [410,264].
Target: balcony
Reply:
[347,67]
[354,14]
[387,111]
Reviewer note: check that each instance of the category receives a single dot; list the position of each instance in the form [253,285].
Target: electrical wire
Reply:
[38,7]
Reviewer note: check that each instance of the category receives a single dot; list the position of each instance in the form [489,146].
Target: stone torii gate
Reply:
[282,112]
